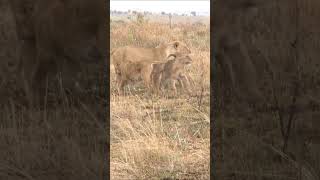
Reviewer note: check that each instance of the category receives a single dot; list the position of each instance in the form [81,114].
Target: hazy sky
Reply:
[163,5]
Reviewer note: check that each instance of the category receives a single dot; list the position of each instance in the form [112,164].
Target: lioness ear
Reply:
[152,66]
[157,64]
[175,45]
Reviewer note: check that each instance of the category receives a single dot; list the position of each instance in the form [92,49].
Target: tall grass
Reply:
[253,143]
[65,139]
[159,137]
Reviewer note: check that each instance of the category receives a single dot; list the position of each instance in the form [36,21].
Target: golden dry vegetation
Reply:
[277,137]
[161,137]
[64,138]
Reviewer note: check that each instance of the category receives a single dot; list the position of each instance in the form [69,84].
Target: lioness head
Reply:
[176,47]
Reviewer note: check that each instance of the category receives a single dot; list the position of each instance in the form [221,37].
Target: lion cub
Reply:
[173,71]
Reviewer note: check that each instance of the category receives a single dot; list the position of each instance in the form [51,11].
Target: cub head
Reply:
[179,59]
[185,60]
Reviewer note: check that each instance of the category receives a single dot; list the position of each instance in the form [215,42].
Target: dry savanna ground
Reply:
[161,137]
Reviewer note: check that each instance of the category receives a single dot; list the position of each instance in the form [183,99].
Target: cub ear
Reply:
[171,57]
[156,64]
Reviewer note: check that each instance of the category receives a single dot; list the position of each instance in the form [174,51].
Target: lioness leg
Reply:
[119,79]
[155,81]
[185,83]
[173,86]
[121,85]
[118,73]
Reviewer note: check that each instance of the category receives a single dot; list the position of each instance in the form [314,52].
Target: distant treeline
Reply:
[115,12]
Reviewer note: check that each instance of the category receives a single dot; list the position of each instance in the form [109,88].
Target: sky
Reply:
[201,6]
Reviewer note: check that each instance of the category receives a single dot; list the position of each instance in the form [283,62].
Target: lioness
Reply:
[156,73]
[122,57]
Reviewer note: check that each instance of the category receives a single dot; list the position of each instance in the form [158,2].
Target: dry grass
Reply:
[63,140]
[160,137]
[248,141]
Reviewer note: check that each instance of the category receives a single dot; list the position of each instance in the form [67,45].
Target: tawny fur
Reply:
[123,57]
[172,71]
[156,73]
